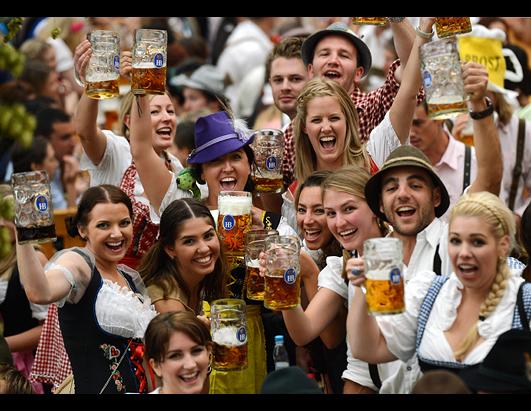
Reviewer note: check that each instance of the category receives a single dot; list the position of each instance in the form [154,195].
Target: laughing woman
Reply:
[103,307]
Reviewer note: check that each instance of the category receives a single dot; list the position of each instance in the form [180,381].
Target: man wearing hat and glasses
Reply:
[338,54]
[407,193]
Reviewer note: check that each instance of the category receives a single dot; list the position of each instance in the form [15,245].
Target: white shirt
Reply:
[508,139]
[451,170]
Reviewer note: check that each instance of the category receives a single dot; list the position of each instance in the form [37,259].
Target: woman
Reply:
[186,265]
[103,307]
[451,321]
[109,160]
[351,222]
[178,347]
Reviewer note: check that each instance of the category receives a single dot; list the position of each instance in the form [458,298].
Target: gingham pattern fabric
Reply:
[526,297]
[52,364]
[371,107]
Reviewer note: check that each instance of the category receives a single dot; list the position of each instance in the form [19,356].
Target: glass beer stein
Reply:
[33,207]
[384,285]
[282,278]
[450,26]
[103,70]
[234,219]
[229,334]
[149,62]
[255,243]
[376,21]
[268,148]
[443,82]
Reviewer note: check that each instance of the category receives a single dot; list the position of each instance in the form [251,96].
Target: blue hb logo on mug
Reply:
[159,60]
[271,163]
[426,77]
[116,62]
[395,276]
[41,204]
[228,222]
[241,335]
[290,276]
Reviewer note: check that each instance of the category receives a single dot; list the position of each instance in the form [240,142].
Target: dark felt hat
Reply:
[506,368]
[405,155]
[340,29]
[289,380]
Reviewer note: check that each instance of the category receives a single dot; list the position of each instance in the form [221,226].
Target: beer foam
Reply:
[100,77]
[227,336]
[380,275]
[446,100]
[144,65]
[234,205]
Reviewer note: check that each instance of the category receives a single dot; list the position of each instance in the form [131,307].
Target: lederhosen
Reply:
[93,352]
[145,232]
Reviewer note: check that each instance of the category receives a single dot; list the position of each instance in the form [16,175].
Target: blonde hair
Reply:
[354,153]
[503,108]
[501,222]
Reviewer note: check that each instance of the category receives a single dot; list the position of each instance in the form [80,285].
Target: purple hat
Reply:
[216,135]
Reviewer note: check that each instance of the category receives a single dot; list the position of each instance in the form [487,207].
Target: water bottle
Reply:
[280,354]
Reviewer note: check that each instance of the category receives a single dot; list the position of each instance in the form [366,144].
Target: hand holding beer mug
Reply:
[103,70]
[255,243]
[268,148]
[442,78]
[450,26]
[384,284]
[234,219]
[282,278]
[149,62]
[33,207]
[229,334]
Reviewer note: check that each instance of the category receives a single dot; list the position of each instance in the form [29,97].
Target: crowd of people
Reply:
[129,311]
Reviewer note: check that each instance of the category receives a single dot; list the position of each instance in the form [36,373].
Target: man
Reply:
[448,156]
[336,53]
[57,127]
[409,194]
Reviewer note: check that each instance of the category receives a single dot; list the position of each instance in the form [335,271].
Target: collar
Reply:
[432,233]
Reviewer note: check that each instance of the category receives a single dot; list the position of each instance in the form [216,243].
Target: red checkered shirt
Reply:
[371,108]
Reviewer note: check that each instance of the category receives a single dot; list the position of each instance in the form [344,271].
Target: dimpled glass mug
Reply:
[33,207]
[234,219]
[282,277]
[442,78]
[149,62]
[268,148]
[384,284]
[103,70]
[255,243]
[229,333]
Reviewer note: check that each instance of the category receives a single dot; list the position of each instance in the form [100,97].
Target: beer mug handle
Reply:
[517,75]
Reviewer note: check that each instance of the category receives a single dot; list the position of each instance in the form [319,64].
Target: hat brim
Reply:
[477,380]
[198,86]
[364,54]
[218,150]
[494,87]
[373,188]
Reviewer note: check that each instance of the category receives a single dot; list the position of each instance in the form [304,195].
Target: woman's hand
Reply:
[355,270]
[262,259]
[82,56]
[126,64]
[257,218]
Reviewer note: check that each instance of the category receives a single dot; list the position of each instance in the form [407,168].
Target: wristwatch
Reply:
[474,115]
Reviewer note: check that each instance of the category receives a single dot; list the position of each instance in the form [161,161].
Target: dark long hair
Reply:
[525,237]
[102,194]
[158,268]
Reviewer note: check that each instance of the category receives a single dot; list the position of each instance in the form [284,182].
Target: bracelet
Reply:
[423,34]
[475,115]
[396,19]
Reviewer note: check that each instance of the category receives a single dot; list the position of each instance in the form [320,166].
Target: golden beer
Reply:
[450,26]
[229,358]
[101,90]
[384,296]
[376,21]
[268,185]
[148,80]
[231,229]
[448,110]
[282,289]
[254,283]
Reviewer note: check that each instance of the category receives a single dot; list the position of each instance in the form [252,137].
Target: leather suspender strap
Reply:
[375,376]
[466,174]
[437,261]
[517,170]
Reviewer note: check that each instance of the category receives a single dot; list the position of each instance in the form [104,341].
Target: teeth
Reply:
[400,209]
[327,139]
[312,231]
[466,267]
[348,232]
[203,260]
[164,130]
[228,180]
[115,244]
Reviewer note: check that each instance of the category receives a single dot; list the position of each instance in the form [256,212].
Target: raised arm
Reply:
[403,108]
[403,39]
[92,138]
[367,342]
[486,140]
[152,171]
